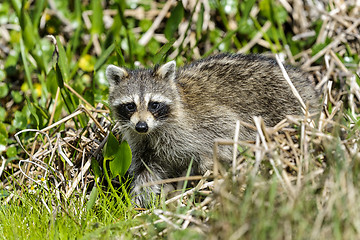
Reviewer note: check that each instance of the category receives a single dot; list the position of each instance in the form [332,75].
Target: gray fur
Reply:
[205,99]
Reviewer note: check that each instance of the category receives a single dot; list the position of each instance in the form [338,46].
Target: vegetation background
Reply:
[299,180]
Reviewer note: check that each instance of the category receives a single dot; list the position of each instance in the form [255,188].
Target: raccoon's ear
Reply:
[167,71]
[115,74]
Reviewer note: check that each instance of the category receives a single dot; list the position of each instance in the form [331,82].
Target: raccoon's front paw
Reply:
[144,192]
[145,196]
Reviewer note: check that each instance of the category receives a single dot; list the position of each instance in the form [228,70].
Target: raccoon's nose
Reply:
[142,127]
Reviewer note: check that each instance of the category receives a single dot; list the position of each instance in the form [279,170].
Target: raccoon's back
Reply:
[242,86]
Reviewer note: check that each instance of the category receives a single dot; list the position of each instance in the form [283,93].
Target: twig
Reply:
[78,178]
[2,165]
[150,32]
[287,78]
[236,138]
[78,95]
[171,180]
[65,119]
[257,121]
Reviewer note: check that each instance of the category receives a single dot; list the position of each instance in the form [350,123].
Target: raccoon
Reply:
[171,116]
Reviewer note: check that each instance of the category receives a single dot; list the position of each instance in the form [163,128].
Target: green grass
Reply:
[41,215]
[44,79]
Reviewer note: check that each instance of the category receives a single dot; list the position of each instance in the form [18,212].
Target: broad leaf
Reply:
[20,120]
[121,163]
[172,24]
[119,156]
[111,147]
[11,152]
[4,90]
[96,168]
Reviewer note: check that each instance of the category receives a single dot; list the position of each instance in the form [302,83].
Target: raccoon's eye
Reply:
[153,106]
[131,107]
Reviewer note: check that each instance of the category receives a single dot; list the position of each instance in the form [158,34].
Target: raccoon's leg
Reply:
[204,163]
[145,195]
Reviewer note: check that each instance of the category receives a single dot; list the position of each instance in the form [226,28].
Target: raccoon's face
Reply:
[142,100]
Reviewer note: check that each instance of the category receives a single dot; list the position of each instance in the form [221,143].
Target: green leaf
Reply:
[280,14]
[26,68]
[39,7]
[16,4]
[59,76]
[97,17]
[119,55]
[16,96]
[265,8]
[29,33]
[32,110]
[145,24]
[11,152]
[3,130]
[119,156]
[172,24]
[4,90]
[62,62]
[199,23]
[2,75]
[104,56]
[121,163]
[2,114]
[12,59]
[3,137]
[93,196]
[20,120]
[111,147]
[318,47]
[4,193]
[159,57]
[96,168]
[248,5]
[153,47]
[2,143]
[39,56]
[51,82]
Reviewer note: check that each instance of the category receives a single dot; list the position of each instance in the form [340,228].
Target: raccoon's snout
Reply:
[141,127]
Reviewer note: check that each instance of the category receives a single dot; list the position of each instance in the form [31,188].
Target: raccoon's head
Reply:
[143,99]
